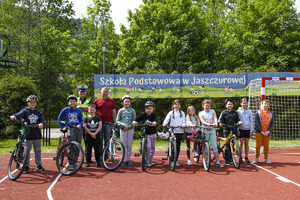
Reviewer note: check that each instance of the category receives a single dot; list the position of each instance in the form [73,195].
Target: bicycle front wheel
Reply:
[206,156]
[17,161]
[69,158]
[172,154]
[113,155]
[144,150]
[196,158]
[236,153]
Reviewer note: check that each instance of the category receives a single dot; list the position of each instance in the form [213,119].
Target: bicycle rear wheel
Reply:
[144,150]
[17,161]
[196,158]
[236,153]
[69,158]
[114,155]
[206,156]
[172,154]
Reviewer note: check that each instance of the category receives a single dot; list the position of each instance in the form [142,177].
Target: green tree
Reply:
[262,34]
[167,36]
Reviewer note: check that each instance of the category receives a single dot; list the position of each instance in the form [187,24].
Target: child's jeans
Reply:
[151,141]
[127,138]
[37,151]
[76,135]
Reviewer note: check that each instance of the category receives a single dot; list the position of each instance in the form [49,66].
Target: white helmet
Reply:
[164,135]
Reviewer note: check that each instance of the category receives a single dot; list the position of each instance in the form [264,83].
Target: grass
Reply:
[7,145]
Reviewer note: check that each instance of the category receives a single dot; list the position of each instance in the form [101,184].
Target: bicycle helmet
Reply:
[126,97]
[72,97]
[149,103]
[164,135]
[31,98]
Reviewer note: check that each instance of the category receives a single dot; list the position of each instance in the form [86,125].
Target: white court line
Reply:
[51,186]
[7,175]
[278,176]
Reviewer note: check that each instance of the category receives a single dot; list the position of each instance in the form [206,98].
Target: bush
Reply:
[13,93]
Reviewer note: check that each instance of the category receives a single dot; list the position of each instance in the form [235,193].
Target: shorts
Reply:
[244,133]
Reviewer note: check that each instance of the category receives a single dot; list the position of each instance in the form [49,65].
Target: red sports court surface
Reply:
[278,180]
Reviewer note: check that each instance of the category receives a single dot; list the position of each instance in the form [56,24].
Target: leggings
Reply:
[188,145]
[178,142]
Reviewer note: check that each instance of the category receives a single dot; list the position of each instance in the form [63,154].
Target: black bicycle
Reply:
[68,153]
[143,148]
[19,156]
[114,151]
[172,148]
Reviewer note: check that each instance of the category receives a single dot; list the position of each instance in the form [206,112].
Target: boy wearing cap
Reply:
[32,116]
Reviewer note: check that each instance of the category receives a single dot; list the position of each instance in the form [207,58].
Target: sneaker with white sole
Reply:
[196,154]
[189,162]
[152,163]
[267,161]
[148,164]
[255,161]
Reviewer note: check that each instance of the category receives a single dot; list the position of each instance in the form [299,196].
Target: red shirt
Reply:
[104,107]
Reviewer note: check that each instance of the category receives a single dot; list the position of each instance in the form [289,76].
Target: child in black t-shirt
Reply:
[92,126]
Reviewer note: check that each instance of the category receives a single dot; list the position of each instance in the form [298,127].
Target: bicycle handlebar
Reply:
[231,126]
[22,121]
[71,126]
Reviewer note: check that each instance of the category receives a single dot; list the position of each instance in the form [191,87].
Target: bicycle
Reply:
[114,151]
[19,156]
[143,149]
[234,146]
[68,153]
[203,148]
[172,149]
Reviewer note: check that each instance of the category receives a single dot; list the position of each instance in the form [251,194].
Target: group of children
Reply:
[126,119]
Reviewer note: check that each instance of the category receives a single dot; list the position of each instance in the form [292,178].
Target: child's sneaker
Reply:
[247,160]
[219,165]
[87,164]
[124,163]
[227,162]
[98,164]
[152,163]
[189,162]
[129,163]
[255,161]
[72,167]
[196,154]
[267,161]
[26,170]
[148,164]
[40,168]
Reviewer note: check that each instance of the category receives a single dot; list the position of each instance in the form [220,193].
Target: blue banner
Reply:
[180,85]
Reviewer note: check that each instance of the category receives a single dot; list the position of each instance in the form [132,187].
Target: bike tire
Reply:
[236,153]
[197,158]
[172,155]
[17,161]
[144,150]
[206,156]
[114,160]
[66,156]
